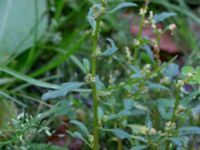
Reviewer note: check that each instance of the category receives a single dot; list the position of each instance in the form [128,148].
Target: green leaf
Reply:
[28,79]
[148,50]
[176,140]
[121,133]
[140,147]
[156,86]
[63,108]
[110,50]
[99,84]
[148,121]
[63,90]
[165,108]
[39,146]
[163,16]
[197,75]
[20,24]
[78,63]
[187,69]
[122,5]
[79,136]
[8,112]
[189,130]
[100,113]
[138,129]
[7,96]
[171,71]
[188,100]
[91,17]
[122,113]
[81,126]
[86,64]
[128,104]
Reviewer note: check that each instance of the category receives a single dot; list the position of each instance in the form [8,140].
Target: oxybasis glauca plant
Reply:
[144,92]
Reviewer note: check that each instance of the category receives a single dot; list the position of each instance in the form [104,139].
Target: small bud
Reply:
[180,83]
[143,11]
[190,75]
[151,15]
[153,26]
[160,30]
[170,126]
[90,79]
[172,27]
[180,109]
[105,118]
[91,138]
[147,67]
[136,42]
[152,131]
[165,80]
[128,53]
[146,22]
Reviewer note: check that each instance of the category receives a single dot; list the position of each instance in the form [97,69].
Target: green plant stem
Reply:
[141,27]
[173,119]
[119,141]
[94,89]
[119,144]
[176,105]
[167,145]
[95,37]
[139,36]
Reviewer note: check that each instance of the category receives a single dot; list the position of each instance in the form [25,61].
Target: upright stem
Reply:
[176,105]
[94,89]
[141,26]
[95,37]
[173,119]
[119,141]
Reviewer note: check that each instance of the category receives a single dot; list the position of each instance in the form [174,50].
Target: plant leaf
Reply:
[176,140]
[162,16]
[197,75]
[138,129]
[28,79]
[110,50]
[189,130]
[19,29]
[148,50]
[79,136]
[39,146]
[128,104]
[171,71]
[122,5]
[121,133]
[148,121]
[91,15]
[81,126]
[63,90]
[187,69]
[86,64]
[156,86]
[122,113]
[165,108]
[140,147]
